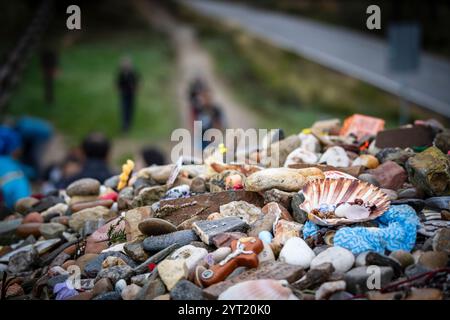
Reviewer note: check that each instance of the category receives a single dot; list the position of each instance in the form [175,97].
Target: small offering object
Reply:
[127,169]
[245,253]
[355,210]
[342,201]
[360,126]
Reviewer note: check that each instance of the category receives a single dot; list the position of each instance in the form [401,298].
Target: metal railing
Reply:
[16,61]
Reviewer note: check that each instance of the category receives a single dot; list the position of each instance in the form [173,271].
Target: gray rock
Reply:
[115,273]
[341,295]
[151,290]
[112,182]
[369,178]
[95,265]
[376,259]
[46,203]
[410,193]
[53,281]
[415,269]
[206,230]
[356,278]
[416,204]
[298,214]
[441,240]
[442,141]
[112,295]
[52,230]
[8,231]
[186,290]
[135,250]
[198,185]
[83,187]
[398,155]
[120,285]
[441,203]
[157,243]
[142,183]
[22,261]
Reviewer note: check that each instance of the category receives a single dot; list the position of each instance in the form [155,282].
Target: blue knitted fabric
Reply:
[397,231]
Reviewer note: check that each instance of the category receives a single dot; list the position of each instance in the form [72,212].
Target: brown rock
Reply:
[224,239]
[90,204]
[433,259]
[155,227]
[14,290]
[425,294]
[83,296]
[71,250]
[178,210]
[98,241]
[84,259]
[390,175]
[25,204]
[33,217]
[282,197]
[101,286]
[28,229]
[68,263]
[268,270]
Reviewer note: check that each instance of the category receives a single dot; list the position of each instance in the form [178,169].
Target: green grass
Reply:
[86,98]
[286,90]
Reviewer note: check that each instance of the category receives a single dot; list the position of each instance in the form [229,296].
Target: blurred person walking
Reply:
[127,83]
[209,114]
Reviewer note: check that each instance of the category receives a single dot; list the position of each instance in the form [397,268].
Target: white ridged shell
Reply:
[264,289]
[333,191]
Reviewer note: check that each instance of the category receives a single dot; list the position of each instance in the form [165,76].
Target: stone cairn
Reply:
[241,231]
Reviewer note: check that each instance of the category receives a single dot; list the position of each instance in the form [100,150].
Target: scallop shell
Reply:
[333,191]
[264,289]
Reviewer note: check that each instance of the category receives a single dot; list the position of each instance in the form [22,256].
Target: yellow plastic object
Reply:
[222,149]
[127,168]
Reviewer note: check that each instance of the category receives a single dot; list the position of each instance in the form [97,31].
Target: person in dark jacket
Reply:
[127,83]
[96,149]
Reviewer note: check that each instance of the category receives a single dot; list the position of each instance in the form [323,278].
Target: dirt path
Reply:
[194,61]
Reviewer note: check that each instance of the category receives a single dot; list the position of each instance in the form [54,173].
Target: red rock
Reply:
[390,175]
[71,250]
[14,290]
[98,241]
[24,230]
[110,196]
[33,217]
[224,239]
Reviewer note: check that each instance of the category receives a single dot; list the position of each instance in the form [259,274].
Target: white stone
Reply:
[296,252]
[192,255]
[266,254]
[220,254]
[301,155]
[172,271]
[341,259]
[336,157]
[247,211]
[328,288]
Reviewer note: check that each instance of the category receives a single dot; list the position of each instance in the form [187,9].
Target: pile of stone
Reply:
[235,231]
